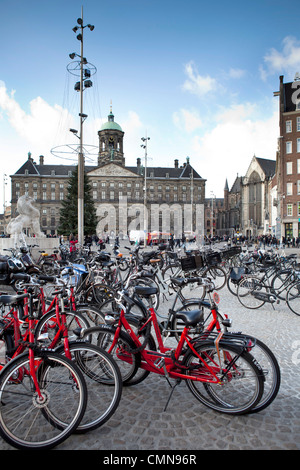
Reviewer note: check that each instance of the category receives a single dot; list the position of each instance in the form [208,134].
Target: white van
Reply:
[136,236]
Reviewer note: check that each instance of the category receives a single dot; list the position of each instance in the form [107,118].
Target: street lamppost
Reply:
[192,199]
[144,146]
[4,202]
[212,214]
[79,86]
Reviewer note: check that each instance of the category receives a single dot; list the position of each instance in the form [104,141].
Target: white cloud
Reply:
[187,120]
[42,128]
[197,84]
[227,149]
[236,73]
[134,131]
[287,60]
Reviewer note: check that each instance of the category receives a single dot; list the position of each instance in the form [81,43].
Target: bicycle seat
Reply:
[191,318]
[145,291]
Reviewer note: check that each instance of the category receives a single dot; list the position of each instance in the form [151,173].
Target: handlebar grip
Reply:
[20,276]
[47,278]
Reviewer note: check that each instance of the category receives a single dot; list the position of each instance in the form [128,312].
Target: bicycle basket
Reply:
[191,263]
[213,259]
[230,252]
[236,274]
[188,263]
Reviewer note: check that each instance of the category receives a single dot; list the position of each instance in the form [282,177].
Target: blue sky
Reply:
[196,77]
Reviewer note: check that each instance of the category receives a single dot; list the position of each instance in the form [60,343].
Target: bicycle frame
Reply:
[164,361]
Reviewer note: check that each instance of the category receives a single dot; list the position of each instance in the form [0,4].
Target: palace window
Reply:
[289,189]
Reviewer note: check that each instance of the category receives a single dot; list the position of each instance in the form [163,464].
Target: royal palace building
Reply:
[168,199]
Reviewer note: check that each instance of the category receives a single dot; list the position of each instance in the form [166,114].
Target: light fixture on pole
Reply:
[144,146]
[79,86]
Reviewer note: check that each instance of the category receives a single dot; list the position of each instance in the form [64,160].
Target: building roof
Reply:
[33,169]
[268,166]
[111,124]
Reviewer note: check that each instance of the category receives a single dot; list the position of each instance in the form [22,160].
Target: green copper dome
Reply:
[111,124]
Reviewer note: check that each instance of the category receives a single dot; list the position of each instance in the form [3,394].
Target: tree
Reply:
[69,212]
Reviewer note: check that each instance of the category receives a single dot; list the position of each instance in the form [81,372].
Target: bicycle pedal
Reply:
[159,362]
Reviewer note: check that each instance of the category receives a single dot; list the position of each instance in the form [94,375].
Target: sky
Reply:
[195,77]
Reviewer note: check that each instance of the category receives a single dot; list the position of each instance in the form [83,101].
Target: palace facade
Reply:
[167,199]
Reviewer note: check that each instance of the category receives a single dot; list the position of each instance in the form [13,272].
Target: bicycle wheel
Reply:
[280,283]
[27,422]
[271,371]
[103,380]
[171,270]
[93,314]
[241,382]
[110,307]
[124,352]
[99,293]
[251,292]
[217,275]
[47,327]
[293,298]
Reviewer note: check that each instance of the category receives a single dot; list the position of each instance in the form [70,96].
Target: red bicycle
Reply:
[217,367]
[43,394]
[98,368]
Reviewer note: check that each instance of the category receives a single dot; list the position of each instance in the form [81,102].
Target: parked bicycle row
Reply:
[71,342]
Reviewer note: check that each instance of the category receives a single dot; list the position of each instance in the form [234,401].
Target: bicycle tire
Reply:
[278,281]
[293,298]
[99,293]
[128,362]
[218,276]
[92,313]
[270,367]
[48,325]
[141,374]
[171,270]
[103,380]
[110,307]
[271,370]
[223,397]
[41,425]
[249,287]
[232,286]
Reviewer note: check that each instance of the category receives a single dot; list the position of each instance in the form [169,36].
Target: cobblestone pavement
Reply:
[140,422]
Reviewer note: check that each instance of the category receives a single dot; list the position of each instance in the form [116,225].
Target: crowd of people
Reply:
[261,241]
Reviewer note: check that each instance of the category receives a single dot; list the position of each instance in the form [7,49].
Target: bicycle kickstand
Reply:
[173,388]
